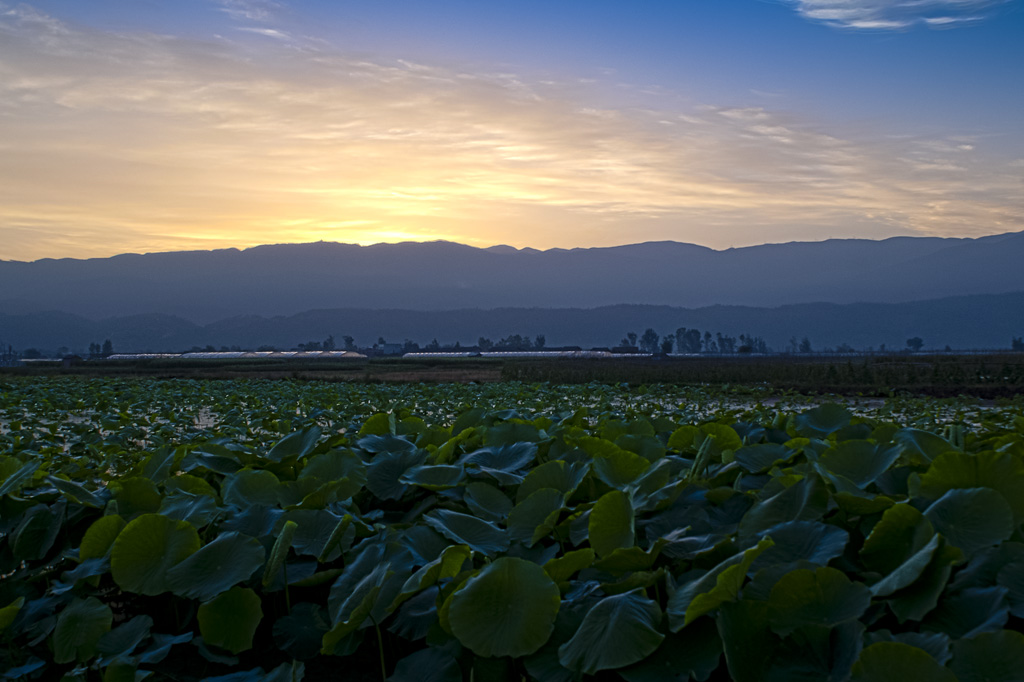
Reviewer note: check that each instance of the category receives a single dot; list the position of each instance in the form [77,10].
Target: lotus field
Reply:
[257,530]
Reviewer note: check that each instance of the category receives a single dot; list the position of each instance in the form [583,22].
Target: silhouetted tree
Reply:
[1017,343]
[666,343]
[688,340]
[108,348]
[433,346]
[329,343]
[915,343]
[539,341]
[484,343]
[805,345]
[350,343]
[649,341]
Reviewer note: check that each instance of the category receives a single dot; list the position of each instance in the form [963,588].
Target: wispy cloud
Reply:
[250,10]
[895,14]
[118,142]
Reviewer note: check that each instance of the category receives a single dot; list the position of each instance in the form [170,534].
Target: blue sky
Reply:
[147,125]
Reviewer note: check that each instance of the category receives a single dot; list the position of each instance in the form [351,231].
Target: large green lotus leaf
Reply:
[989,657]
[824,596]
[79,629]
[252,487]
[898,662]
[509,433]
[10,612]
[314,531]
[719,585]
[919,598]
[648,447]
[480,535]
[76,492]
[822,420]
[199,510]
[334,464]
[100,536]
[295,445]
[1001,471]
[434,477]
[816,652]
[147,548]
[37,531]
[805,500]
[230,559]
[970,612]
[625,559]
[380,424]
[611,523]
[383,476]
[985,566]
[18,478]
[427,665]
[231,619]
[135,496]
[1011,576]
[189,484]
[756,459]
[899,534]
[564,567]
[723,438]
[123,639]
[859,461]
[613,465]
[690,655]
[811,541]
[685,438]
[535,517]
[301,632]
[446,566]
[619,631]
[924,446]
[507,609]
[747,641]
[504,463]
[972,518]
[351,609]
[487,502]
[909,571]
[563,477]
[935,644]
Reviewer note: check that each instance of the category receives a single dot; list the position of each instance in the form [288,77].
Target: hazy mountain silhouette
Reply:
[205,286]
[979,321]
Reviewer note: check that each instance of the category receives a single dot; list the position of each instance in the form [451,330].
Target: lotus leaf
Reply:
[147,548]
[507,609]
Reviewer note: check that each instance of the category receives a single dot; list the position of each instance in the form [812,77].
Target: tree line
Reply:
[685,340]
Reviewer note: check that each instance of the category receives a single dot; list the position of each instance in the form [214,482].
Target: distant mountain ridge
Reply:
[979,321]
[206,286]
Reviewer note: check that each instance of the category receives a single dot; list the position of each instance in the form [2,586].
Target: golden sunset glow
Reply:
[116,142]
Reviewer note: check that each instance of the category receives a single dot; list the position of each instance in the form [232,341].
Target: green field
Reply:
[253,529]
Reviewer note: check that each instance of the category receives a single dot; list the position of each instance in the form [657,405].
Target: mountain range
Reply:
[958,292]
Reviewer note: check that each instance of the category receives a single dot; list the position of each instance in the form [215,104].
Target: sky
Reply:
[165,125]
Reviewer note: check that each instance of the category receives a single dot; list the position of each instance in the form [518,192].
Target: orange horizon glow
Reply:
[145,143]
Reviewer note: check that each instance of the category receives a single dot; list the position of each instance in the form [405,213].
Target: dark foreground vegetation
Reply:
[986,375]
[942,375]
[253,530]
